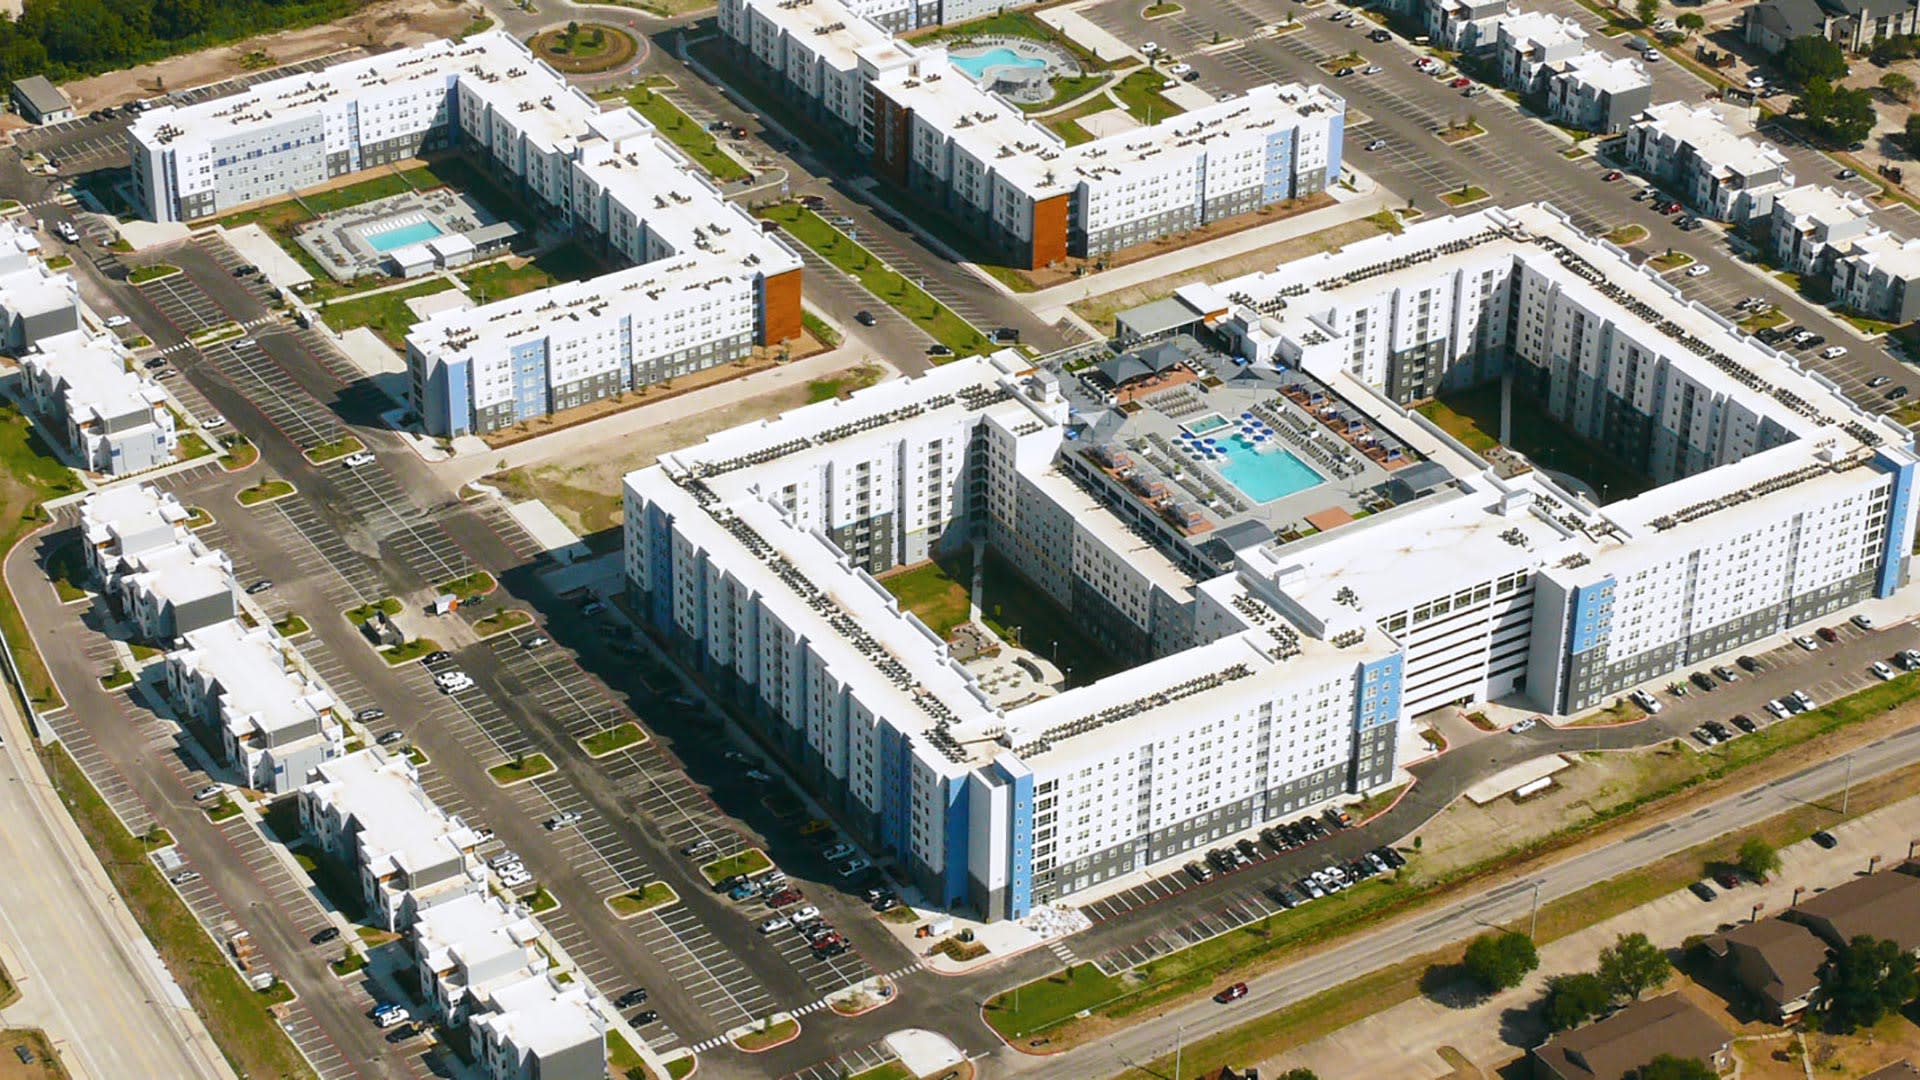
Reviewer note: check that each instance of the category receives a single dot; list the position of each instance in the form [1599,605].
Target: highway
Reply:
[85,973]
[1124,1051]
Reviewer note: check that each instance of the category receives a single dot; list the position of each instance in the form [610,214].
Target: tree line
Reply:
[66,39]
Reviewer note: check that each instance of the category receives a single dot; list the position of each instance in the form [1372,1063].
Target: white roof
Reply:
[1543,29]
[1611,74]
[1817,204]
[132,512]
[539,1018]
[260,688]
[1708,133]
[473,932]
[1886,253]
[184,571]
[396,818]
[94,370]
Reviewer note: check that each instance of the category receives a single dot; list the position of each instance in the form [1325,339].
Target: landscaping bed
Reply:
[264,492]
[750,861]
[520,770]
[656,894]
[611,740]
[768,1037]
[585,48]
[409,650]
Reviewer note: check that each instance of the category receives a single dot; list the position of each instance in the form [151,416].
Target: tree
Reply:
[1668,1067]
[1898,86]
[1646,11]
[1574,999]
[569,36]
[1912,133]
[1839,115]
[1632,965]
[1864,979]
[1690,21]
[1501,960]
[1757,859]
[1812,57]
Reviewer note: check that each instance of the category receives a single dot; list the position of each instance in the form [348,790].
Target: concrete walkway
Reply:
[1184,259]
[1403,1041]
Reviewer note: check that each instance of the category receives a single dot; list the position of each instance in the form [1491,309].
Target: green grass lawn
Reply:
[1544,440]
[1156,11]
[1019,612]
[265,491]
[1672,260]
[1628,234]
[931,593]
[1070,131]
[478,583]
[156,271]
[238,455]
[1754,323]
[142,653]
[331,451]
[29,475]
[526,768]
[541,901]
[817,329]
[386,314]
[67,569]
[291,625]
[879,279]
[497,280]
[191,446]
[409,650]
[348,964]
[1045,1002]
[843,382]
[1469,194]
[623,1061]
[607,740]
[1869,326]
[769,1036]
[695,141]
[117,678]
[357,615]
[655,895]
[750,861]
[1065,89]
[223,810]
[1140,94]
[501,621]
[234,1013]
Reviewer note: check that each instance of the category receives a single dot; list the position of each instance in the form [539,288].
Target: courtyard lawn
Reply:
[1140,93]
[1473,416]
[843,382]
[930,592]
[499,280]
[1021,613]
[693,140]
[386,314]
[878,278]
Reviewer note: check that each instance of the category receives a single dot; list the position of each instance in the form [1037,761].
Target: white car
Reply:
[67,232]
[393,1017]
[214,421]
[805,914]
[241,343]
[1881,669]
[505,858]
[1755,82]
[1832,351]
[1522,725]
[1779,709]
[516,879]
[1150,48]
[457,685]
[778,922]
[355,460]
[1646,701]
[117,320]
[1180,70]
[1701,270]
[1806,643]
[838,852]
[1371,69]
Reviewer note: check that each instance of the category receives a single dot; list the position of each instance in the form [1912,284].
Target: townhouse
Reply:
[1810,225]
[370,814]
[1721,174]
[276,722]
[111,418]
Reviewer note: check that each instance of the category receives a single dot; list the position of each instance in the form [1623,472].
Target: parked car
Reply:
[392,737]
[1881,669]
[260,586]
[328,934]
[561,821]
[851,867]
[1864,622]
[1726,673]
[1744,722]
[1825,839]
[1377,144]
[1198,871]
[1833,351]
[369,715]
[1806,643]
[1525,725]
[1828,634]
[645,1017]
[1699,270]
[357,459]
[635,996]
[208,792]
[1702,890]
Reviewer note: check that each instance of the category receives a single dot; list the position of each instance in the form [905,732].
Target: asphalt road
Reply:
[1516,161]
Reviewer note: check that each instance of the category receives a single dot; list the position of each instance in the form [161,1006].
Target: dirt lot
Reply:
[377,27]
[45,1065]
[587,497]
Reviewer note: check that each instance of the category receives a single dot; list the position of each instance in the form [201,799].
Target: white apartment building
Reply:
[468,947]
[113,419]
[1811,223]
[277,723]
[933,131]
[1468,26]
[1597,92]
[171,592]
[1878,275]
[371,814]
[1723,175]
[1530,43]
[708,285]
[540,1029]
[1286,679]
[35,302]
[121,523]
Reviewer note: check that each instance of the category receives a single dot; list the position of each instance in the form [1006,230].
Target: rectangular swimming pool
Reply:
[1209,422]
[400,236]
[1264,475]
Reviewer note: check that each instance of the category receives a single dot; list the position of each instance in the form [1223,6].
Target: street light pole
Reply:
[1847,791]
[1533,917]
[1179,1033]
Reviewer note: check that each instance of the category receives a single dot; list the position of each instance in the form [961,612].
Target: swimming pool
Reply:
[1264,475]
[976,64]
[1209,422]
[399,236]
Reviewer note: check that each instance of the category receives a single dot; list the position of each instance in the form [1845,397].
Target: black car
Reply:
[1897,393]
[1744,722]
[1703,680]
[645,1017]
[324,936]
[886,903]
[1283,896]
[259,586]
[1379,35]
[1825,839]
[1247,848]
[245,270]
[1702,890]
[937,349]
[635,996]
[1814,342]
[1005,335]
[368,716]
[864,317]
[436,656]
[1719,730]
[1198,871]
[1392,857]
[1748,663]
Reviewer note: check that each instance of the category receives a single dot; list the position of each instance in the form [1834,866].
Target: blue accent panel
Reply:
[1336,142]
[1379,697]
[955,802]
[1278,177]
[446,401]
[1893,557]
[530,380]
[896,788]
[659,526]
[1592,615]
[1020,848]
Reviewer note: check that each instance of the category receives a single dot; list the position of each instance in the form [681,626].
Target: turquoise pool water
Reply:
[976,64]
[1264,475]
[1209,422]
[401,235]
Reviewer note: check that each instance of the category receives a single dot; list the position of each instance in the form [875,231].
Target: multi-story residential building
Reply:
[1857,24]
[371,814]
[1596,92]
[1810,224]
[35,303]
[467,947]
[120,524]
[1723,175]
[1878,275]
[706,285]
[1269,656]
[276,722]
[114,420]
[173,591]
[1467,26]
[1530,43]
[540,1029]
[1770,24]
[1013,182]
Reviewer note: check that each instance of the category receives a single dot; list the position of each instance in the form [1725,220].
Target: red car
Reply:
[1232,993]
[1461,83]
[1828,633]
[1612,175]
[783,898]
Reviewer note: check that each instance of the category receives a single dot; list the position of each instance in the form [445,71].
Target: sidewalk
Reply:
[1199,255]
[1403,1041]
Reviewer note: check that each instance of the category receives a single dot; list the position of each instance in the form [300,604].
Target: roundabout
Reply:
[585,48]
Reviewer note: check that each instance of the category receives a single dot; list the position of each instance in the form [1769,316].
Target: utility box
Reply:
[444,604]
